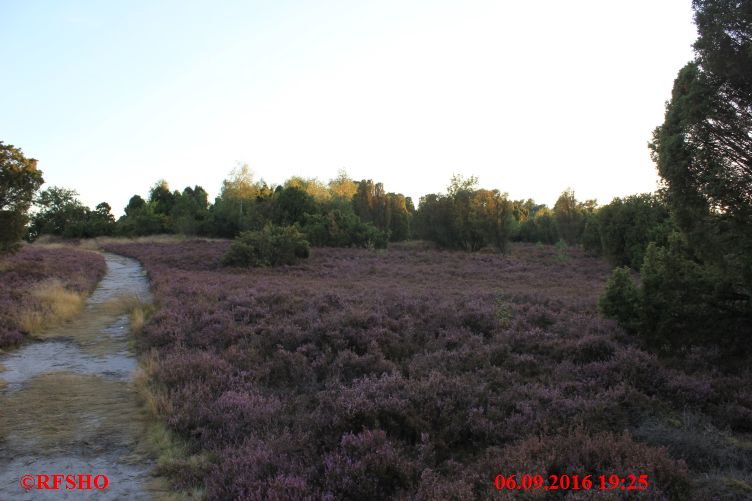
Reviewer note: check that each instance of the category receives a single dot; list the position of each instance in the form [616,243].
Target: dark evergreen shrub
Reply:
[622,299]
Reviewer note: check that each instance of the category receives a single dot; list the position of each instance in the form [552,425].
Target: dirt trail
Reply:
[68,403]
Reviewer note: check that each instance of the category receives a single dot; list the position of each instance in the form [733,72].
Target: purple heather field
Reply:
[78,270]
[419,374]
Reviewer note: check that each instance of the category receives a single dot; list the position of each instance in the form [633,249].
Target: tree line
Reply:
[340,213]
[344,212]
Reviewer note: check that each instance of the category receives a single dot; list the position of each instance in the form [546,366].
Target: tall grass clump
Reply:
[54,304]
[41,286]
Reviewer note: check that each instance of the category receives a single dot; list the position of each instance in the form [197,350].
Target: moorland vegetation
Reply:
[576,338]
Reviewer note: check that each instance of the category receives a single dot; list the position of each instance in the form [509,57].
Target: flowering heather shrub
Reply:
[78,271]
[597,454]
[416,374]
[366,466]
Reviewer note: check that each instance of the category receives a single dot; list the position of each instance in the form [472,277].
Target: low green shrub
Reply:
[271,246]
[680,301]
[341,228]
[621,300]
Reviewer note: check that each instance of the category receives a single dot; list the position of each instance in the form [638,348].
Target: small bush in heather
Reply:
[504,313]
[561,250]
[622,299]
[272,246]
[342,228]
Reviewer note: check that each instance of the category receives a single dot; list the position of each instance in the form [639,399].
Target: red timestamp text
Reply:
[565,482]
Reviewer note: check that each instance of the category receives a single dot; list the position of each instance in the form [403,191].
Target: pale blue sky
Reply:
[531,97]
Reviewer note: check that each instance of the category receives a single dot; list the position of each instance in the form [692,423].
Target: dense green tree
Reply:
[190,213]
[459,184]
[291,204]
[161,198]
[240,184]
[703,149]
[371,205]
[12,229]
[491,220]
[399,217]
[141,219]
[698,288]
[99,222]
[703,152]
[19,180]
[627,225]
[363,200]
[135,204]
[724,45]
[540,228]
[433,219]
[591,237]
[524,210]
[243,204]
[410,205]
[311,186]
[466,217]
[342,187]
[464,229]
[59,213]
[570,217]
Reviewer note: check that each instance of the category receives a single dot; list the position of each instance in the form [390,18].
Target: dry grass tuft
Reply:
[57,410]
[97,244]
[54,304]
[156,403]
[121,305]
[172,453]
[161,490]
[139,315]
[737,485]
[66,413]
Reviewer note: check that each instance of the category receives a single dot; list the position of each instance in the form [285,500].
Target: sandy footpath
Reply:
[68,403]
